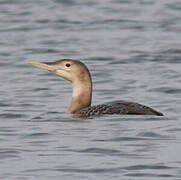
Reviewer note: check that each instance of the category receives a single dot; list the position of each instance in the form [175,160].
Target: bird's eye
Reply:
[68,65]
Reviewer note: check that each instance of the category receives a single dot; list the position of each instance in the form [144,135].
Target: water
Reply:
[132,49]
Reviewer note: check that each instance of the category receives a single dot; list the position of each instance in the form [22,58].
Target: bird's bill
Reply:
[42,65]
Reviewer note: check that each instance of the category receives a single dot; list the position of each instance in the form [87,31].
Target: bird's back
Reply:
[118,107]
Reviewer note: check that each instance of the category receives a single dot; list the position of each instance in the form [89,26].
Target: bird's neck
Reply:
[82,95]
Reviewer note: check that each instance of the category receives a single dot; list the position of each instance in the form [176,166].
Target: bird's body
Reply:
[76,72]
[118,107]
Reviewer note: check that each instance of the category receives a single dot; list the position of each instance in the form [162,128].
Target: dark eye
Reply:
[68,65]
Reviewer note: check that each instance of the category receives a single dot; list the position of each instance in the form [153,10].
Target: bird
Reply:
[78,74]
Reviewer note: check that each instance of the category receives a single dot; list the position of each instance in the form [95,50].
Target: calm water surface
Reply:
[132,49]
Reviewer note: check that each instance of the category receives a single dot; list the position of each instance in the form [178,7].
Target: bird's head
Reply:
[71,70]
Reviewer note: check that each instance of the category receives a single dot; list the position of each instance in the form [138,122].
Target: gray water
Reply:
[133,51]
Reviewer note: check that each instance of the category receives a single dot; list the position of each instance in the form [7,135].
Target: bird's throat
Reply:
[82,95]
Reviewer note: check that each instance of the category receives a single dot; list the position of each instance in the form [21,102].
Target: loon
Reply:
[78,74]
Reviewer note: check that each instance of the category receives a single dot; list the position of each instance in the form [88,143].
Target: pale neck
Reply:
[82,95]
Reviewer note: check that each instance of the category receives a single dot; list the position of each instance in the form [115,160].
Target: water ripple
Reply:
[132,49]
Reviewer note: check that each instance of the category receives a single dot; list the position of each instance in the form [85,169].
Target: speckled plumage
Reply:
[118,107]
